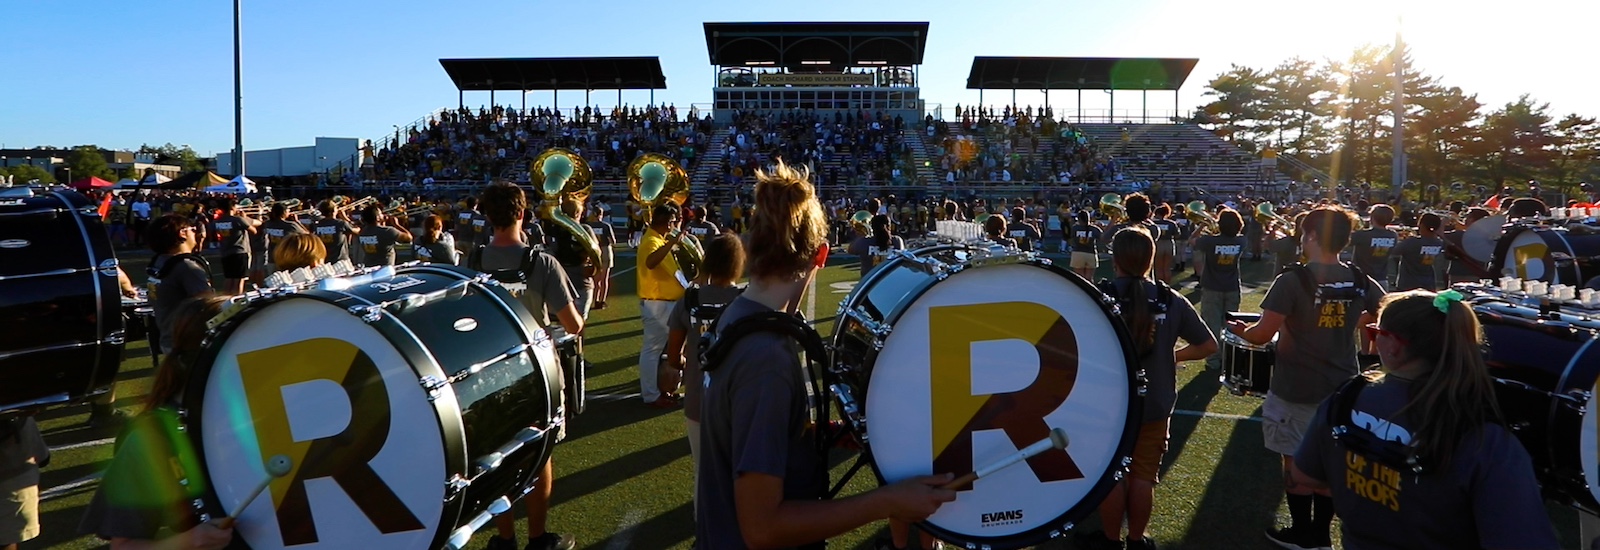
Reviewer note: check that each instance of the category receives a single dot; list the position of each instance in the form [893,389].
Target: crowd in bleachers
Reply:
[1017,144]
[841,148]
[486,143]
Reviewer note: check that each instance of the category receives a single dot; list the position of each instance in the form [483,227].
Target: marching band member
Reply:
[1419,255]
[1371,247]
[1084,238]
[994,229]
[23,453]
[1217,267]
[436,245]
[572,257]
[155,475]
[1157,317]
[299,250]
[1463,268]
[335,230]
[1022,230]
[1286,249]
[1434,403]
[760,476]
[875,246]
[1166,243]
[177,272]
[692,317]
[607,239]
[276,228]
[661,285]
[471,227]
[235,229]
[379,233]
[547,295]
[1315,311]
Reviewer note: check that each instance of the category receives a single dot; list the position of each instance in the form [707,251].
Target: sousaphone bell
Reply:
[654,179]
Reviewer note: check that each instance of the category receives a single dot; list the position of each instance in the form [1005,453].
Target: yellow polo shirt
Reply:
[660,283]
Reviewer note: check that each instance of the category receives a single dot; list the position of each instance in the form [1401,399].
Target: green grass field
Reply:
[623,474]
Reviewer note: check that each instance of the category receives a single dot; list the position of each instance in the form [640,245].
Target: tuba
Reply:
[1202,220]
[1111,207]
[1275,225]
[559,175]
[654,179]
[861,221]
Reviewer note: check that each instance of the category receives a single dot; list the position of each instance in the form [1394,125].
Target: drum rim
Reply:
[1563,384]
[1056,527]
[399,336]
[1502,252]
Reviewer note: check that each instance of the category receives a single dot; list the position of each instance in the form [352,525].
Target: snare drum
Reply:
[408,398]
[1545,374]
[952,357]
[1247,367]
[1553,255]
[60,317]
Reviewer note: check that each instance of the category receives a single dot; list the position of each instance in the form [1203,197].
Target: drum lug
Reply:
[455,486]
[116,339]
[432,385]
[370,314]
[879,330]
[850,409]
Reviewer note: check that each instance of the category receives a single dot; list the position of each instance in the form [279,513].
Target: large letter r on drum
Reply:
[344,456]
[957,413]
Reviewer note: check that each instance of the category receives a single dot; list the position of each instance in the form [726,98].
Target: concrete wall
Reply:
[294,161]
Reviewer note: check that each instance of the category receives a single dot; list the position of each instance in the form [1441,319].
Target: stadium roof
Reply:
[1078,73]
[816,47]
[556,73]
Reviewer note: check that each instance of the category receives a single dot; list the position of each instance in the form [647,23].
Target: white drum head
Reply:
[1527,256]
[964,354]
[308,380]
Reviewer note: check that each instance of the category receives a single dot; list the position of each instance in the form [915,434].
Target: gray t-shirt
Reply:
[603,235]
[377,244]
[1024,234]
[186,280]
[871,254]
[711,299]
[1487,497]
[335,235]
[547,291]
[22,450]
[1085,238]
[277,230]
[1418,256]
[1459,266]
[754,418]
[1221,255]
[1370,250]
[233,231]
[1161,366]
[1317,342]
[1285,252]
[702,229]
[440,251]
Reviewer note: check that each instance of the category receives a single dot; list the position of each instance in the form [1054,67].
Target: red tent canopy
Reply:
[92,183]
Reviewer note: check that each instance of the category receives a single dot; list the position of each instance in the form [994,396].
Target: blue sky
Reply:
[118,73]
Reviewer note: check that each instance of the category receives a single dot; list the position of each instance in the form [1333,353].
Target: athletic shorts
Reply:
[19,515]
[235,266]
[258,262]
[1166,248]
[1284,424]
[1149,449]
[607,258]
[1085,260]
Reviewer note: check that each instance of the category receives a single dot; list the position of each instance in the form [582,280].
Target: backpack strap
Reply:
[768,321]
[475,258]
[172,263]
[1360,440]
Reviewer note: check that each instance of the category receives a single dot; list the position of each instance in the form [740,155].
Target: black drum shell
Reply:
[425,335]
[60,305]
[1583,248]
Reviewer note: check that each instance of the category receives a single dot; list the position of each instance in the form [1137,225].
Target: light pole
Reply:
[238,92]
[69,175]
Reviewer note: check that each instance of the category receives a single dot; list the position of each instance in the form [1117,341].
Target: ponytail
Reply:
[1456,394]
[1132,253]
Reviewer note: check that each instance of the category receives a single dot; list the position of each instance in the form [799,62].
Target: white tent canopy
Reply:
[233,187]
[240,179]
[126,183]
[154,179]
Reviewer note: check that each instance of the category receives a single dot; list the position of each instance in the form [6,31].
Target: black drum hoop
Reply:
[1107,480]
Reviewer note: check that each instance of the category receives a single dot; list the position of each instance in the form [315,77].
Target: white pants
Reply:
[654,314]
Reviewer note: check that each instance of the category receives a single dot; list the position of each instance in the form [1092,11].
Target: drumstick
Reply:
[277,466]
[1057,440]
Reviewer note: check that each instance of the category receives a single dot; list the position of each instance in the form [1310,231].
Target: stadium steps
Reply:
[921,160]
[709,166]
[1178,155]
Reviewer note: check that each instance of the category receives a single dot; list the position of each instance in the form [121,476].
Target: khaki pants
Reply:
[1214,308]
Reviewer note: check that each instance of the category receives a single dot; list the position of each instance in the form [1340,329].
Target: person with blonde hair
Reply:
[1428,432]
[761,476]
[299,250]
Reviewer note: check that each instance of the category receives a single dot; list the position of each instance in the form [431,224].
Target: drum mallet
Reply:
[1057,440]
[277,466]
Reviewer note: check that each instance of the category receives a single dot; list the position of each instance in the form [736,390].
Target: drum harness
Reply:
[172,263]
[1158,302]
[715,347]
[572,370]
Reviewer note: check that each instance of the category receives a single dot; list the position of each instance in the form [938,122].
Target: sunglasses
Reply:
[1373,330]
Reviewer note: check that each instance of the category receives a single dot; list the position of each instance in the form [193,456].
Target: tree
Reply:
[87,161]
[1297,106]
[25,173]
[1442,134]
[1239,109]
[1577,152]
[175,155]
[1517,139]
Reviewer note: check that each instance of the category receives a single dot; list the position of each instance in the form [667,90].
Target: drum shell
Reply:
[1247,367]
[1582,251]
[60,312]
[476,415]
[1545,378]
[878,303]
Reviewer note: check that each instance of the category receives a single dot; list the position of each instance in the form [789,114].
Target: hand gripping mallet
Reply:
[277,466]
[1057,440]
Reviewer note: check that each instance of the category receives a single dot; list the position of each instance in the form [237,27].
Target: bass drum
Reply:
[943,364]
[1545,374]
[409,400]
[60,305]
[1553,255]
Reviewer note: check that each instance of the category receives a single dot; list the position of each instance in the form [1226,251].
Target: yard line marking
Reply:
[1220,416]
[60,490]
[95,443]
[626,529]
[615,274]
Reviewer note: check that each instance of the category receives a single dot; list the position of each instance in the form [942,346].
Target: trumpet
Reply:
[1202,220]
[1111,206]
[348,204]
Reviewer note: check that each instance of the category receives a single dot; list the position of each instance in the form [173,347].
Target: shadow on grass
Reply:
[1241,497]
[597,340]
[603,368]
[662,531]
[577,485]
[600,417]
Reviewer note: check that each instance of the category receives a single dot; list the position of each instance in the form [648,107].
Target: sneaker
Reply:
[663,402]
[1143,543]
[106,416]
[1295,538]
[1096,540]
[552,541]
[497,543]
